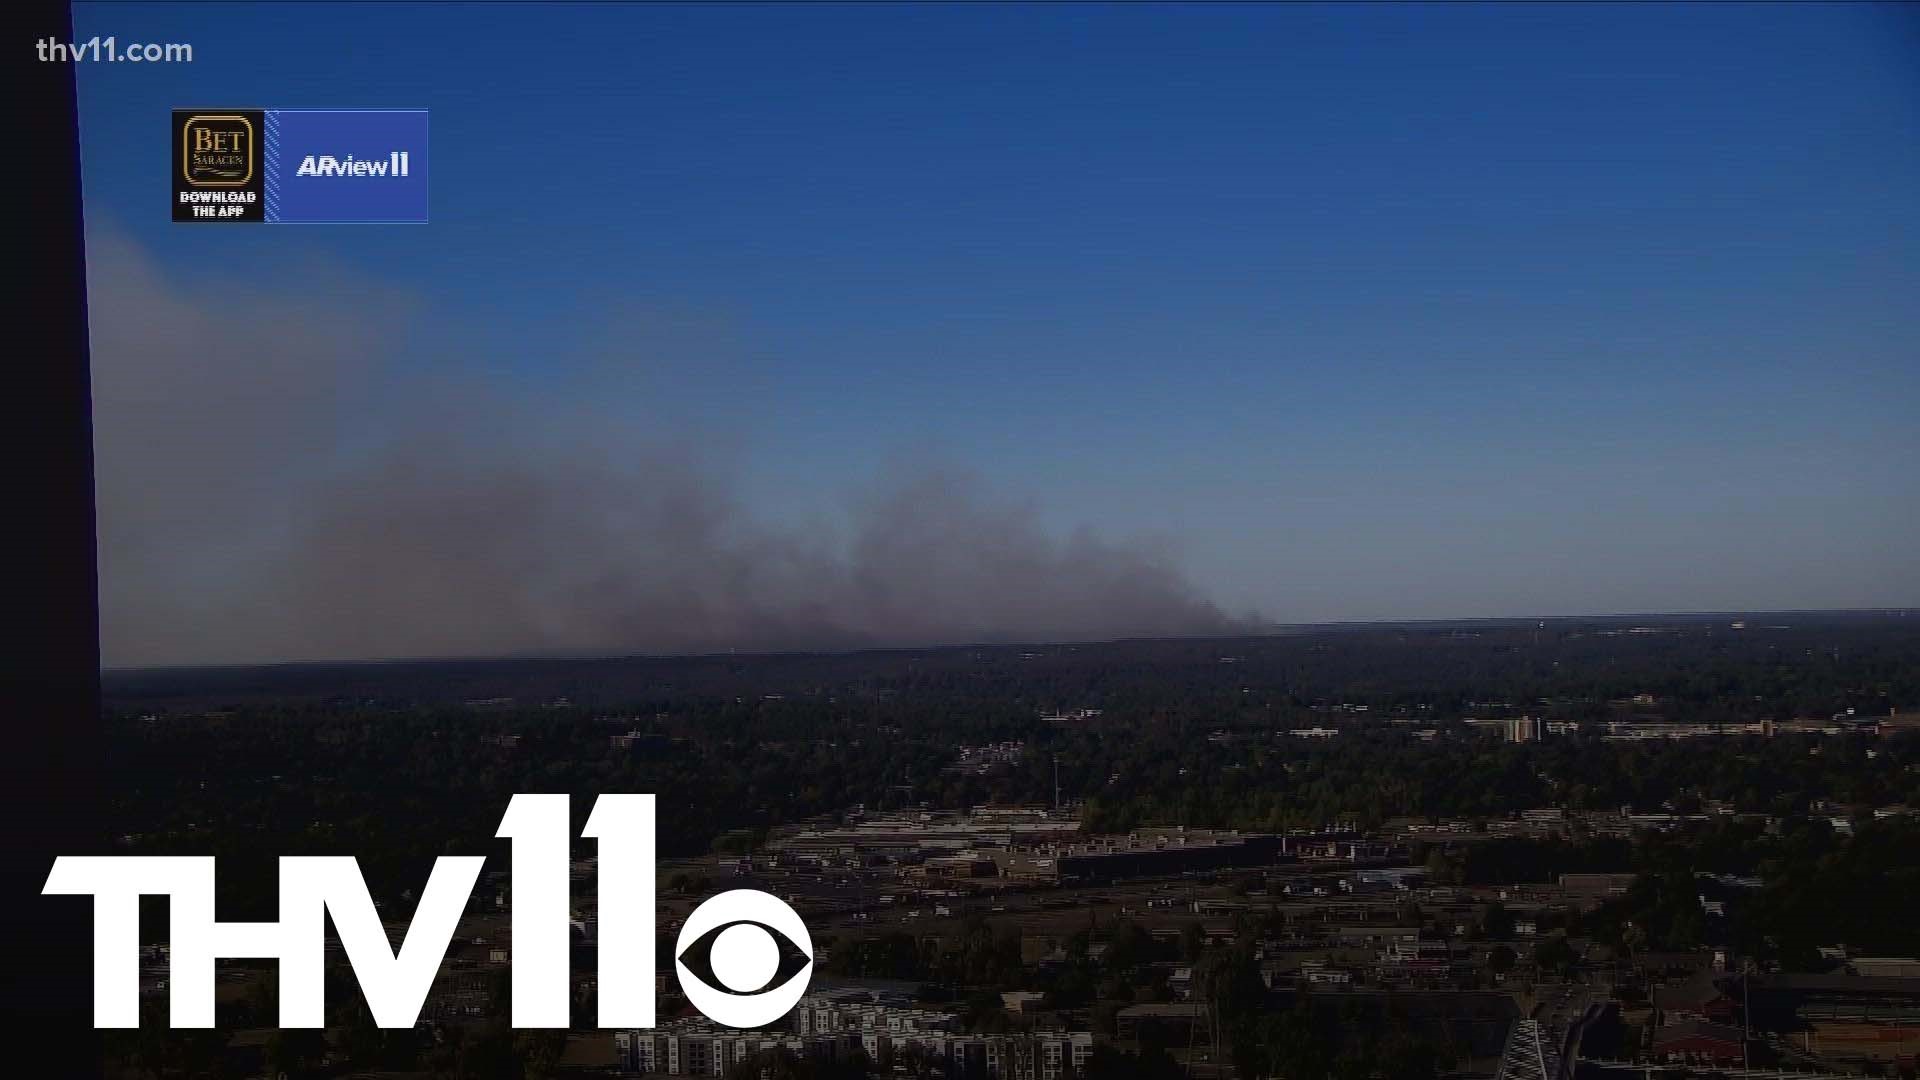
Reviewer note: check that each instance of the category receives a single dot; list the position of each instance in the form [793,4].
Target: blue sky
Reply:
[1367,312]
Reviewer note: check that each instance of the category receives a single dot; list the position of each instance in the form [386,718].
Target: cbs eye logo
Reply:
[744,958]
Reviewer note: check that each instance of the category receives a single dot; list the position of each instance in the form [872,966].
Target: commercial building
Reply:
[1596,886]
[1142,853]
[1845,1018]
[1171,1022]
[885,1032]
[830,1013]
[1523,729]
[926,833]
[1700,1042]
[695,1047]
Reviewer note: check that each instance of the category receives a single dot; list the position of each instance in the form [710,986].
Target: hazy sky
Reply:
[1319,313]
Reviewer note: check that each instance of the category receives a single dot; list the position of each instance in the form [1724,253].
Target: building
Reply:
[1699,1041]
[1851,1018]
[694,1047]
[1523,729]
[1320,973]
[830,1013]
[1142,853]
[1174,1022]
[920,833]
[1899,967]
[1041,1055]
[825,1021]
[1596,886]
[1896,722]
[1416,960]
[965,866]
[1702,996]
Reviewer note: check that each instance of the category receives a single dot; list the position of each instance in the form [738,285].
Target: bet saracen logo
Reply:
[744,957]
[217,173]
[300,166]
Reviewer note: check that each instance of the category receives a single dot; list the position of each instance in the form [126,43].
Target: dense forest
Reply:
[247,765]
[1772,665]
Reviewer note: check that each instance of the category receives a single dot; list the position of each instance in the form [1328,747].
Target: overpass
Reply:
[1546,1046]
[1532,1053]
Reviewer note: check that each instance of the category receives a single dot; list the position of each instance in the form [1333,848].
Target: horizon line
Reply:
[1273,629]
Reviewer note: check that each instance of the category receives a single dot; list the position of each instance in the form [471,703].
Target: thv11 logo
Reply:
[729,954]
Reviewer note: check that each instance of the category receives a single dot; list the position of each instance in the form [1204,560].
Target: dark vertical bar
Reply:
[52,680]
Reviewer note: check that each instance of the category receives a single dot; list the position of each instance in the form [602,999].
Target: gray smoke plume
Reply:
[276,484]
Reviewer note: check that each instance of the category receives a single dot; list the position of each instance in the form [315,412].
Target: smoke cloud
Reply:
[277,482]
